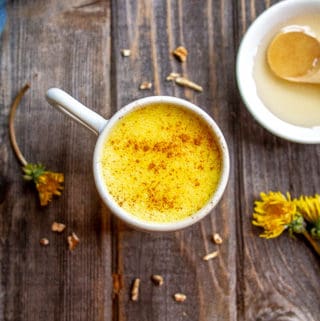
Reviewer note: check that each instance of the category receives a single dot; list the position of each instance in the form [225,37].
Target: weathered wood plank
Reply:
[68,45]
[278,279]
[152,30]
[63,44]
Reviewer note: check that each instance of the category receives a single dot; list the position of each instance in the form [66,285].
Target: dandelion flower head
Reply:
[274,213]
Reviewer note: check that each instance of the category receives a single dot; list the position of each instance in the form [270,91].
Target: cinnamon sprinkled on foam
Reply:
[161,163]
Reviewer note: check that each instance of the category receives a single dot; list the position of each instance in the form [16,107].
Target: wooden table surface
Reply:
[76,45]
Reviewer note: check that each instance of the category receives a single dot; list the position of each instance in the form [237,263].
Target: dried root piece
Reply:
[126,52]
[211,255]
[135,289]
[173,76]
[180,297]
[217,238]
[181,53]
[188,83]
[57,227]
[182,81]
[157,279]
[73,241]
[44,241]
[145,85]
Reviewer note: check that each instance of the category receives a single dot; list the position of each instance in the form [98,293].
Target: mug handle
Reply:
[71,107]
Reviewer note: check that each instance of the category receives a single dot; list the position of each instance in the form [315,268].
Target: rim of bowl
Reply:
[168,226]
[257,31]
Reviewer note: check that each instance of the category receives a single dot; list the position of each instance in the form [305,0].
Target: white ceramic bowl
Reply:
[260,28]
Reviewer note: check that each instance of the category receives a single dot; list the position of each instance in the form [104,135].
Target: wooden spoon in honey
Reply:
[295,56]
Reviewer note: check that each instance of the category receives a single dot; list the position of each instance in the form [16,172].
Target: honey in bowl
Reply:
[161,163]
[295,103]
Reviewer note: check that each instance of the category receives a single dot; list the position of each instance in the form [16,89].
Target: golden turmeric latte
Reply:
[161,163]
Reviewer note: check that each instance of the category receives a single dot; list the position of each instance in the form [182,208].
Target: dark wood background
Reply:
[75,45]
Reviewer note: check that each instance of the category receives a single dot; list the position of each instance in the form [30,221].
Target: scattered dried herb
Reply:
[57,227]
[145,85]
[217,238]
[73,241]
[211,255]
[44,241]
[179,297]
[126,52]
[180,53]
[183,81]
[135,289]
[157,279]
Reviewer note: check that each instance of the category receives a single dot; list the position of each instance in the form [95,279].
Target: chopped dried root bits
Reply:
[183,81]
[188,83]
[217,239]
[172,76]
[125,52]
[179,297]
[157,279]
[135,289]
[44,242]
[180,53]
[73,241]
[58,227]
[211,256]
[145,85]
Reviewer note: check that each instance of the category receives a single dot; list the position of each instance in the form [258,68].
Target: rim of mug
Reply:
[257,31]
[126,216]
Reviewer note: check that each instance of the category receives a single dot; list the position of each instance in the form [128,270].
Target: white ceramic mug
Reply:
[101,126]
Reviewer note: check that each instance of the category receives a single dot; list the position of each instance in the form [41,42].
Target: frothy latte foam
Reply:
[161,163]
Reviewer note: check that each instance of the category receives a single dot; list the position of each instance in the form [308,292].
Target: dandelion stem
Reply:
[12,133]
[313,242]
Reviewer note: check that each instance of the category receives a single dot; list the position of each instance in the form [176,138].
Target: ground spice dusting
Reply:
[151,166]
[161,163]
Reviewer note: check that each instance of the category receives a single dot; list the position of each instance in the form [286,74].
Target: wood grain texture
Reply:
[280,277]
[76,45]
[152,30]
[54,43]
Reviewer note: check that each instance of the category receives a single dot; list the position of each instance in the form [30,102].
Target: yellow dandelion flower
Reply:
[274,213]
[309,207]
[47,183]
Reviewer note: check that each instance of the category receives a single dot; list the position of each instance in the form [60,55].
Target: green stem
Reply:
[312,241]
[12,133]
